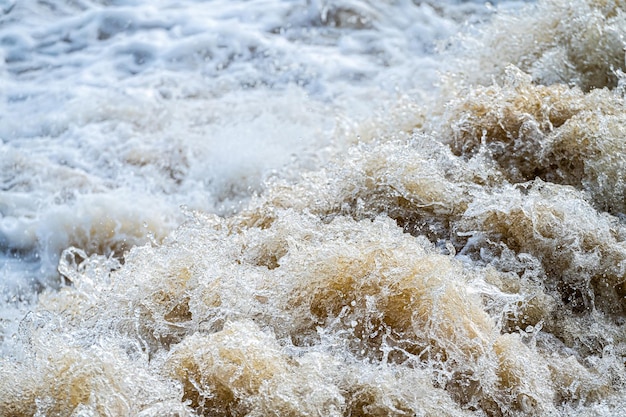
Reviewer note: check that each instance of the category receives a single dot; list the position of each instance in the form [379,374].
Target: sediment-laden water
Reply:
[312,208]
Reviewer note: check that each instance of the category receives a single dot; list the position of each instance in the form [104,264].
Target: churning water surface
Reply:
[312,208]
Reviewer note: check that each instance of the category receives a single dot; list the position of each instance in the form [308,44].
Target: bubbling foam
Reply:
[304,312]
[470,261]
[556,133]
[557,42]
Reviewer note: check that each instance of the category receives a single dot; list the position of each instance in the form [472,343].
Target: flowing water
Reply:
[312,208]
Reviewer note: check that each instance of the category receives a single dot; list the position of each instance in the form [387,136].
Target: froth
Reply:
[556,42]
[465,257]
[243,318]
[367,294]
[556,133]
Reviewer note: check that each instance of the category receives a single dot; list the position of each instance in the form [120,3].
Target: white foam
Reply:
[281,207]
[177,103]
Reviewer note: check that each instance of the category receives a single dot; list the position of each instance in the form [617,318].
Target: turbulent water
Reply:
[312,208]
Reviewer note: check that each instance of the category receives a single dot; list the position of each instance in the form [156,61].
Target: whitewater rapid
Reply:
[298,208]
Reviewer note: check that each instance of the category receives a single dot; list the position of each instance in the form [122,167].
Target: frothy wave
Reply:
[465,256]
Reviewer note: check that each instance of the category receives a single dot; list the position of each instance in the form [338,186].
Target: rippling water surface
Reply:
[312,208]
